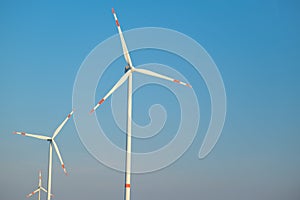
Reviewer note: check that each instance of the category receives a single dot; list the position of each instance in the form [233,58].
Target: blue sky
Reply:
[255,45]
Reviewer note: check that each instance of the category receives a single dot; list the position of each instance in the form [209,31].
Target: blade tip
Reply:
[70,114]
[188,85]
[93,110]
[65,171]
[113,10]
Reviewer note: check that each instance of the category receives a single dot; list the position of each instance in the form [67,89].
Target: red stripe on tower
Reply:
[127,185]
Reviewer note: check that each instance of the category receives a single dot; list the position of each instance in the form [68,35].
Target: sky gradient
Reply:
[256,47]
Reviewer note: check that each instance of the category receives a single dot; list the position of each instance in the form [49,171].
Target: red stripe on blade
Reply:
[101,101]
[113,10]
[117,22]
[176,81]
[22,133]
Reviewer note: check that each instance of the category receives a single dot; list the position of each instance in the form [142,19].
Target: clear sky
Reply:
[256,47]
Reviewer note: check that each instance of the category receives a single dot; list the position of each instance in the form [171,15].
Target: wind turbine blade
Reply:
[116,86]
[59,156]
[41,137]
[62,124]
[32,193]
[44,189]
[150,73]
[40,178]
[124,47]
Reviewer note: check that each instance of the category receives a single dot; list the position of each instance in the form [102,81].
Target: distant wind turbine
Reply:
[39,189]
[51,143]
[129,70]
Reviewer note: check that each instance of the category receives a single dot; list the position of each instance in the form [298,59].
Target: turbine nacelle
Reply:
[127,67]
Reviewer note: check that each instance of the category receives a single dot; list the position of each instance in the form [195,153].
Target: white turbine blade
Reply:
[32,193]
[44,189]
[59,156]
[40,178]
[62,124]
[41,137]
[150,73]
[124,47]
[116,86]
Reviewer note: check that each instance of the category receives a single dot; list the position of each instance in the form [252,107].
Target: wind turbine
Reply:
[39,189]
[51,144]
[129,70]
